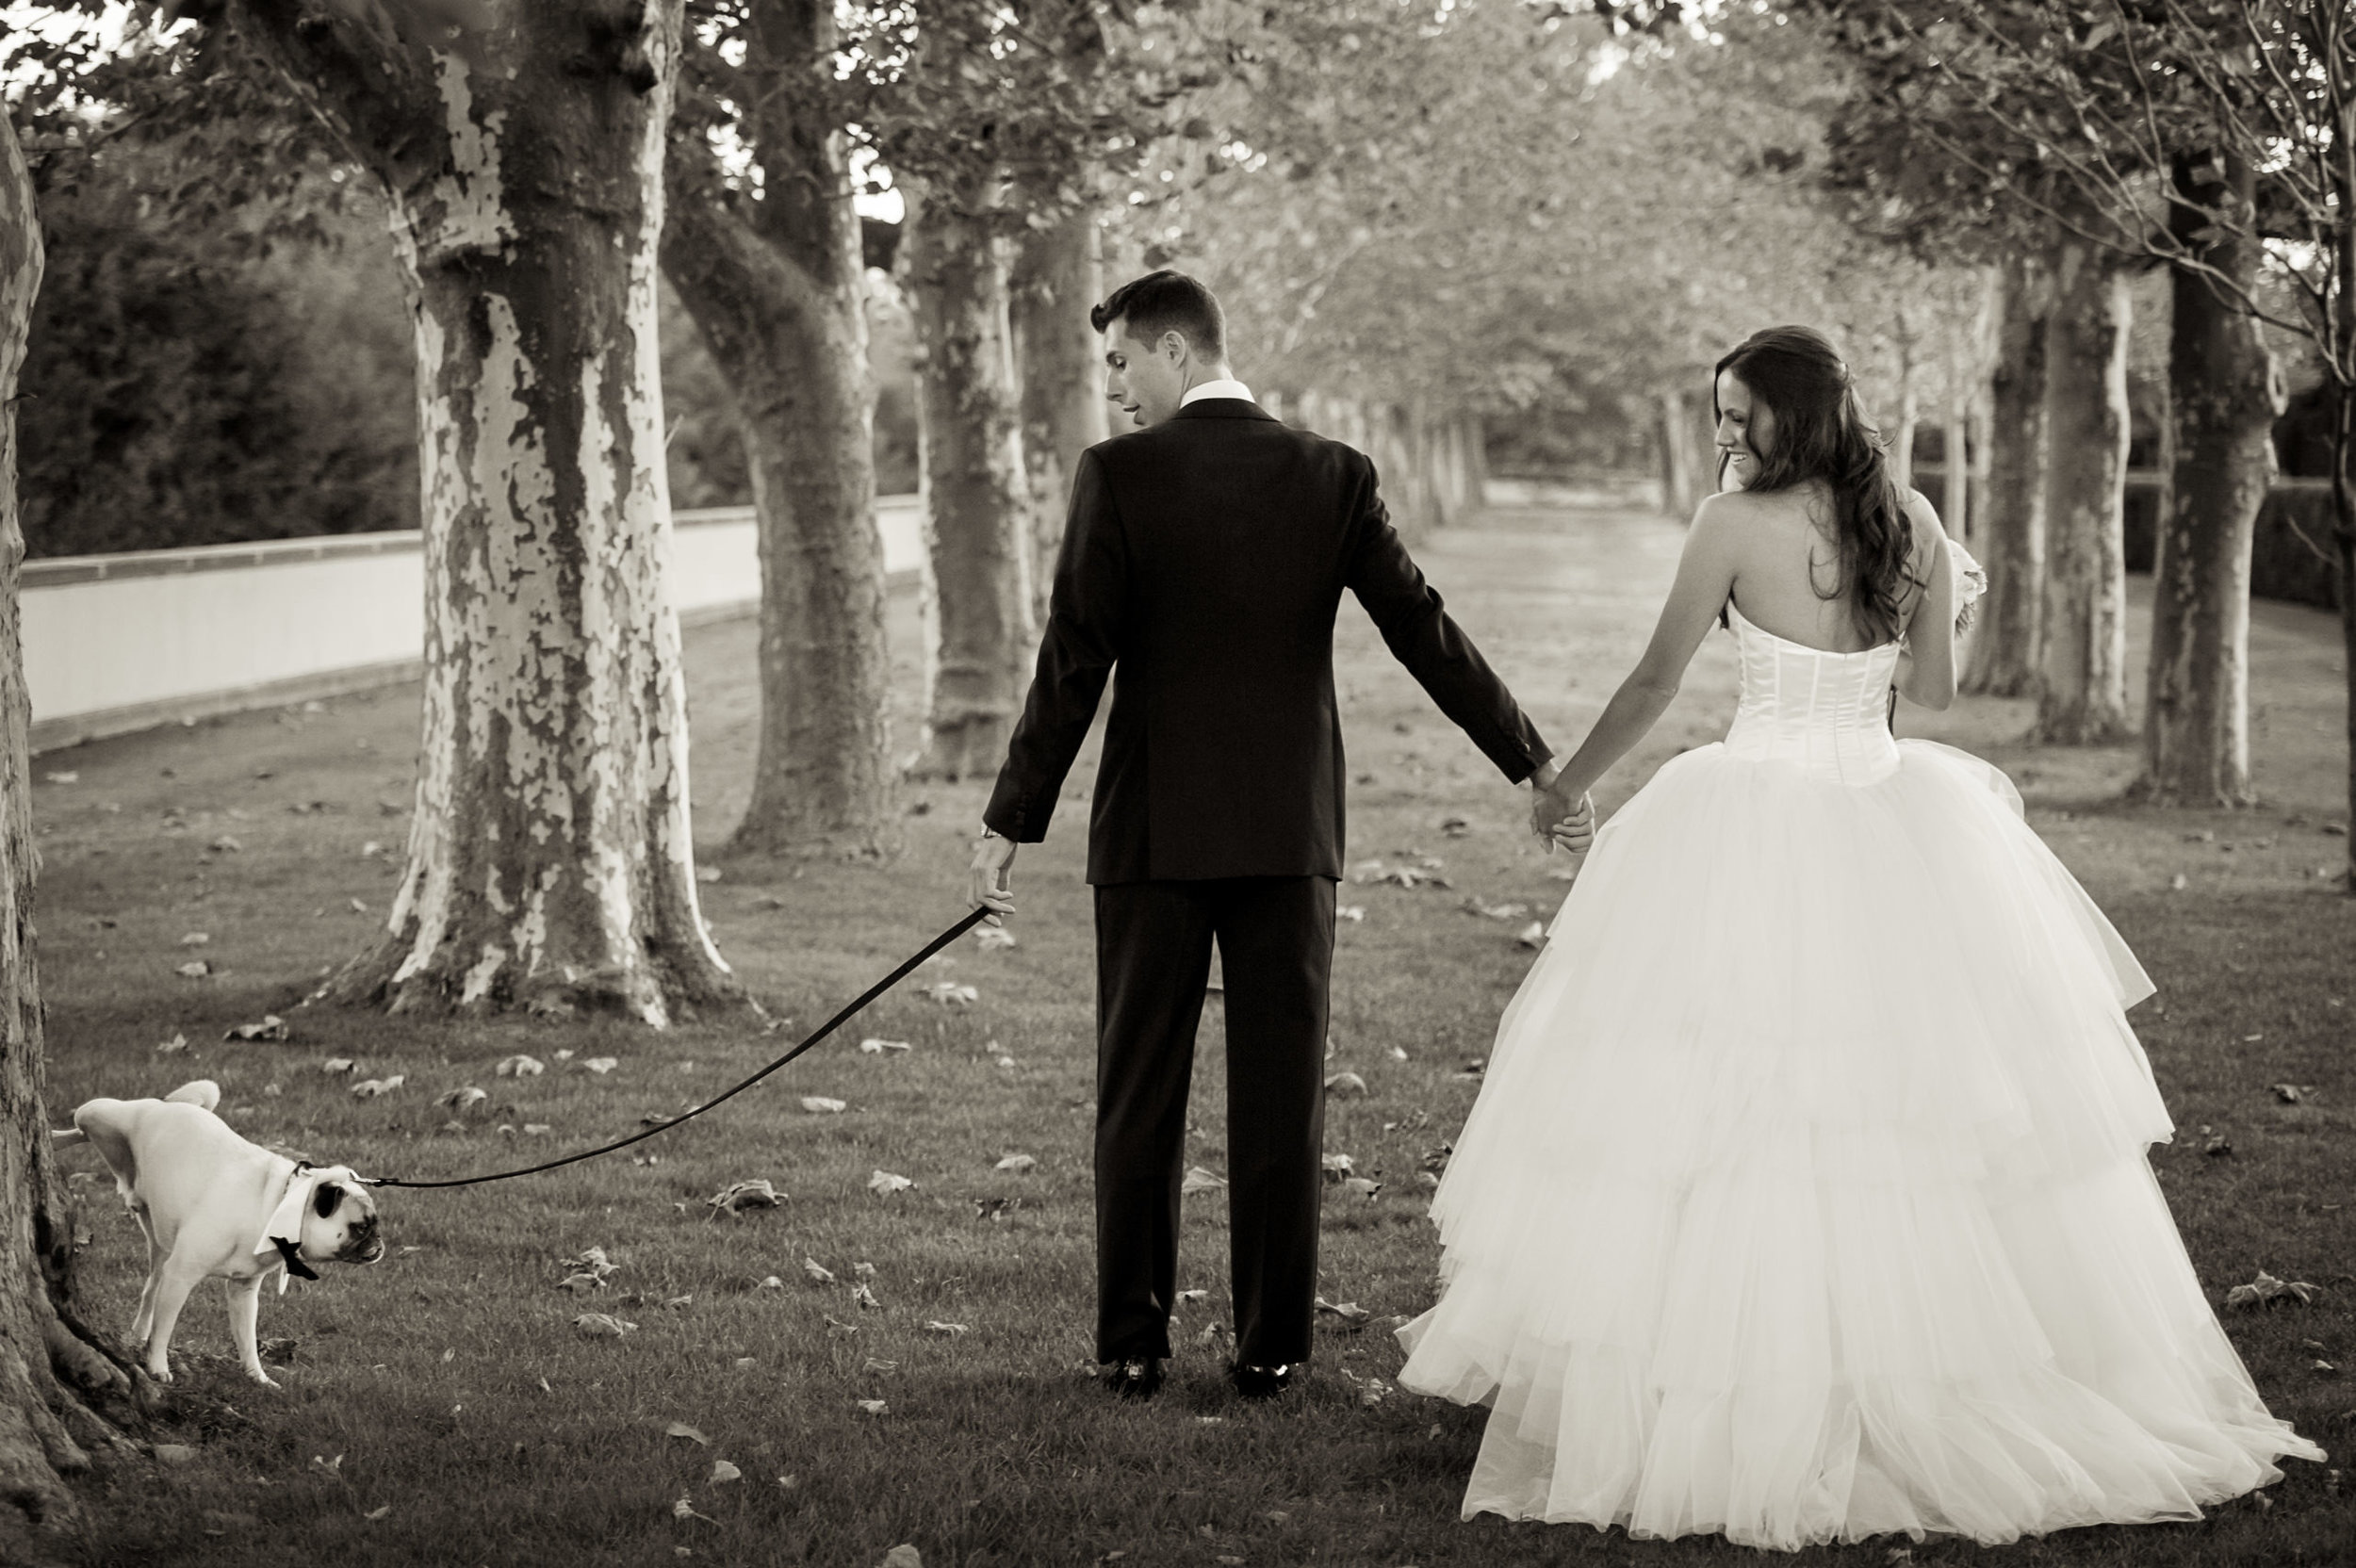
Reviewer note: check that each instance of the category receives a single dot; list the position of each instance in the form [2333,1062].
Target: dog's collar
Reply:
[283,1233]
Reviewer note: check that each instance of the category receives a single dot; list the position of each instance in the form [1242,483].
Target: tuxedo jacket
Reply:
[1202,566]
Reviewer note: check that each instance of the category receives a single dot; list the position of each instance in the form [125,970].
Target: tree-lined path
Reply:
[454,1378]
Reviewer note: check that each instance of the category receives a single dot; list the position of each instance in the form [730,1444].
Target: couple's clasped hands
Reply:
[1560,820]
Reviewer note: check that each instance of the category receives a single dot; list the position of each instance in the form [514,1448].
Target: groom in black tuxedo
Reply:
[1205,556]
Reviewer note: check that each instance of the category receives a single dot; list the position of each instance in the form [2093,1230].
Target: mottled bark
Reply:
[2224,393]
[979,626]
[549,859]
[2082,679]
[54,1378]
[776,288]
[1688,464]
[2008,636]
[1057,276]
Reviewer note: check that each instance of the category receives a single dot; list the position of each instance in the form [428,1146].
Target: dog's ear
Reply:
[325,1197]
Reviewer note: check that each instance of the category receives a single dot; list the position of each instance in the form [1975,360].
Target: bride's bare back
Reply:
[1787,565]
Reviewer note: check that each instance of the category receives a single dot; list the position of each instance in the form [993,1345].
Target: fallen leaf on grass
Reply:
[580,1284]
[1188,1297]
[904,1555]
[995,1208]
[723,1471]
[63,776]
[536,1129]
[2292,1094]
[195,968]
[883,1184]
[2266,1290]
[681,1428]
[172,1046]
[174,1453]
[1337,1165]
[864,1297]
[993,937]
[739,1196]
[863,1270]
[876,1048]
[224,845]
[1019,1163]
[375,1513]
[1534,935]
[520,1066]
[1199,1180]
[195,939]
[465,1098]
[603,1325]
[1349,911]
[837,1329]
[819,1104]
[593,1262]
[334,1066]
[1346,1084]
[1494,912]
[685,1509]
[874,1407]
[272,1027]
[876,1363]
[950,1330]
[1349,1311]
[817,1271]
[950,994]
[1362,1187]
[368,1089]
[603,1065]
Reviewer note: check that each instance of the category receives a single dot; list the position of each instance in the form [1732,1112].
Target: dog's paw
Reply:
[161,1374]
[265,1379]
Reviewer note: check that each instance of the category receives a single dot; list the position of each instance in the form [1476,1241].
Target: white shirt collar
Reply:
[286,1221]
[1216,389]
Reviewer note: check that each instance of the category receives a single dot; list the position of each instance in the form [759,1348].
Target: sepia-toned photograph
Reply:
[1177,783]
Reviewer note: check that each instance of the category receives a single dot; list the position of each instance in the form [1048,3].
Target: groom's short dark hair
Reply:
[1166,301]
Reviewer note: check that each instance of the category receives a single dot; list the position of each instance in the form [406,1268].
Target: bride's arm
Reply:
[1926,668]
[1705,578]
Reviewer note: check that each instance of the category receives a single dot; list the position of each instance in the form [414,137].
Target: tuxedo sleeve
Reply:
[1422,636]
[1075,657]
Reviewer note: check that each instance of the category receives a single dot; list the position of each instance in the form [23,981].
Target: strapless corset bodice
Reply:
[1827,713]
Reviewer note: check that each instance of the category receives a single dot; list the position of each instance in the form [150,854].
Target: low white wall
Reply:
[117,643]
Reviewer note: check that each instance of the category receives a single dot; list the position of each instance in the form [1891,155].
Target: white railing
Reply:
[119,642]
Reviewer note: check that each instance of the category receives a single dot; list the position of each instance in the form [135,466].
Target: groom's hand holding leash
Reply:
[989,879]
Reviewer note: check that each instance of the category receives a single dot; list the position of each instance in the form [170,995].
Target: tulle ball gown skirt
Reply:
[1807,1195]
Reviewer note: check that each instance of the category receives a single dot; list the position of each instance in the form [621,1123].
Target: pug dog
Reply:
[216,1206]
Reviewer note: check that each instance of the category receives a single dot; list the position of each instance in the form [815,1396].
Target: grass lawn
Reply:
[442,1408]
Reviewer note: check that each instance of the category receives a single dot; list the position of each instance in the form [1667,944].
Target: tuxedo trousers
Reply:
[1275,937]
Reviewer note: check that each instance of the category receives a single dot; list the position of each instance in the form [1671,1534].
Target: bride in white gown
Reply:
[1806,1195]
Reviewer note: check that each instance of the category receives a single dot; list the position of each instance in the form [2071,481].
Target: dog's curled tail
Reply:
[200,1092]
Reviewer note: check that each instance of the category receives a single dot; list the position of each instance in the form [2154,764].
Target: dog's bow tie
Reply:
[283,1233]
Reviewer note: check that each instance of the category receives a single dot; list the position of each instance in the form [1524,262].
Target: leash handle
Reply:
[960,929]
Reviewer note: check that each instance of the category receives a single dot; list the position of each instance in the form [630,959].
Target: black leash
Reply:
[823,1031]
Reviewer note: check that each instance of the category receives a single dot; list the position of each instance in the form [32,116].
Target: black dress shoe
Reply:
[1263,1382]
[1138,1378]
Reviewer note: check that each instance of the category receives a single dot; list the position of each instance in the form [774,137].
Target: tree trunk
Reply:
[549,861]
[1057,276]
[2008,630]
[776,288]
[1686,475]
[2082,679]
[2225,394]
[54,1378]
[1955,501]
[2344,536]
[979,626]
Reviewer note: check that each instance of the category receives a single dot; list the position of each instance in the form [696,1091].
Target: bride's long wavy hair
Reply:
[1821,432]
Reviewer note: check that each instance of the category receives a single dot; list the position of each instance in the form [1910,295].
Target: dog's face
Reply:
[340,1224]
